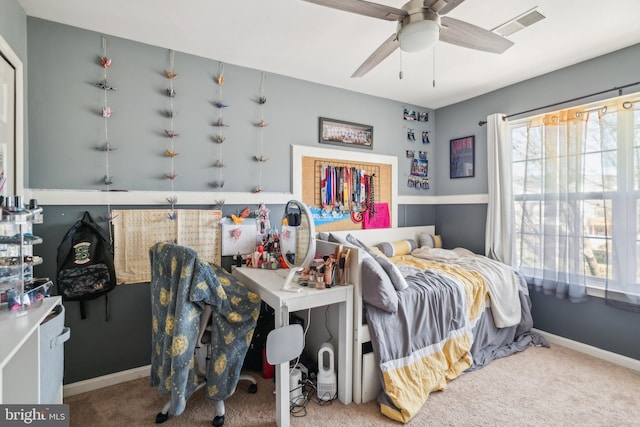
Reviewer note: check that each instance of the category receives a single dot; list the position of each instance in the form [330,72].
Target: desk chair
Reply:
[203,320]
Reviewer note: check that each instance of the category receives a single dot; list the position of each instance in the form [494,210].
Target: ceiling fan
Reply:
[420,25]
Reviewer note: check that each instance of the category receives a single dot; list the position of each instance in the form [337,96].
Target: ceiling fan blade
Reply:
[378,56]
[471,36]
[365,8]
[442,7]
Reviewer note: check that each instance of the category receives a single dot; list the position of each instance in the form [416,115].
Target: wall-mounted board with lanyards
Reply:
[316,193]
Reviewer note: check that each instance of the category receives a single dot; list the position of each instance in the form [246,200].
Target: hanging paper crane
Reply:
[237,219]
[106,147]
[105,85]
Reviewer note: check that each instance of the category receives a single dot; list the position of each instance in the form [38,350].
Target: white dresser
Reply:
[21,370]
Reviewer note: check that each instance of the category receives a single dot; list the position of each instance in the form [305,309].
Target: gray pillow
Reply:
[323,235]
[334,238]
[400,247]
[430,240]
[399,282]
[377,289]
[396,277]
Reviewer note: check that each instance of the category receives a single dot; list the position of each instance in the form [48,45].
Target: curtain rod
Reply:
[619,89]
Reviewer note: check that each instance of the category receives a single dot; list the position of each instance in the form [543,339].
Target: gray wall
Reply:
[593,323]
[67,126]
[13,29]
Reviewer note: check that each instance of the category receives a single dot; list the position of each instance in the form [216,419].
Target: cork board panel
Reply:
[311,178]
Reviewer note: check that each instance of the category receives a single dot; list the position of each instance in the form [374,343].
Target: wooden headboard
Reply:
[374,236]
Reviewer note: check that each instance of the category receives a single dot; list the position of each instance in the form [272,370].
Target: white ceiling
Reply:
[310,42]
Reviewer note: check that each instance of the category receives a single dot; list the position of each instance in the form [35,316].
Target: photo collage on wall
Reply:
[416,132]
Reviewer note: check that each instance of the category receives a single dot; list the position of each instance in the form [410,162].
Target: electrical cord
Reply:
[326,323]
[304,338]
[298,408]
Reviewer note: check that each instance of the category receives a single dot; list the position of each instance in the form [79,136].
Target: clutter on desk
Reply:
[326,271]
[267,252]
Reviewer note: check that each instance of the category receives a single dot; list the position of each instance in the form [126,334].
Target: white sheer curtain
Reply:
[499,240]
[576,192]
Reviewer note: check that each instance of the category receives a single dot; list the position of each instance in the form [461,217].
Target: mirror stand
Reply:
[287,283]
[297,241]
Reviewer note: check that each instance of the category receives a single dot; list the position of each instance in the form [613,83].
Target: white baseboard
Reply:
[618,359]
[105,381]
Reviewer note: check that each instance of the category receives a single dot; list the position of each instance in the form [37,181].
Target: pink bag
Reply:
[380,219]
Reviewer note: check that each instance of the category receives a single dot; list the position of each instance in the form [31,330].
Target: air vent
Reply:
[518,23]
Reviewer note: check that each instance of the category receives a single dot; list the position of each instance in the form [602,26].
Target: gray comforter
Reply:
[435,337]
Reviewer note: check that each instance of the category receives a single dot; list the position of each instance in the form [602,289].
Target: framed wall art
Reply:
[462,157]
[338,132]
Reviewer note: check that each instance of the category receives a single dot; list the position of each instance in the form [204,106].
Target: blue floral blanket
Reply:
[181,285]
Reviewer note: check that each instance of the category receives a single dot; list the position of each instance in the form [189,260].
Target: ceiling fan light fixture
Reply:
[419,35]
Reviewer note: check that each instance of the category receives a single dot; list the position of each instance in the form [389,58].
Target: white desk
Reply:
[267,284]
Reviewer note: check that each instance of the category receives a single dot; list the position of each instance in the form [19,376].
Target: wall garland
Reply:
[106,147]
[261,124]
[171,133]
[219,138]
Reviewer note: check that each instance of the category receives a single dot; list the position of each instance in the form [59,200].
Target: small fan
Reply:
[420,25]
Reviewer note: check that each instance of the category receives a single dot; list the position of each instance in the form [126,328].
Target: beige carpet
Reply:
[539,387]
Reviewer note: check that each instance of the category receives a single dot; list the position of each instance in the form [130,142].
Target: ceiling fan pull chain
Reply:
[400,73]
[434,65]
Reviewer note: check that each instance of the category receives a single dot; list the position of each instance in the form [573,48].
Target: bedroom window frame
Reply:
[624,203]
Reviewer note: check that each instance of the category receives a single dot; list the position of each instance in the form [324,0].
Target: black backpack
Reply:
[85,268]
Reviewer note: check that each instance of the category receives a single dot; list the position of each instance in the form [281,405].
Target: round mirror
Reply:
[297,239]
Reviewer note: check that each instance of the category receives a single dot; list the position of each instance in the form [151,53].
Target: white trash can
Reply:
[53,335]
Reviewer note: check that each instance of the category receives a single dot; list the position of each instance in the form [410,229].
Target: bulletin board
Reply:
[136,231]
[311,186]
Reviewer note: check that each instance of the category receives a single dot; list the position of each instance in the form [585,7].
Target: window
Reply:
[576,187]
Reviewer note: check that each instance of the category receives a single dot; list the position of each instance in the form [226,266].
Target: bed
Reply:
[443,307]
